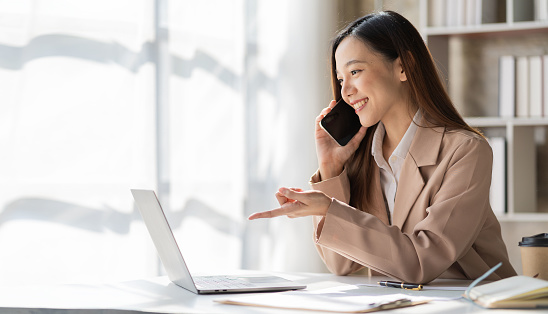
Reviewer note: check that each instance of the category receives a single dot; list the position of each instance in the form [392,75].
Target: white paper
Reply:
[330,302]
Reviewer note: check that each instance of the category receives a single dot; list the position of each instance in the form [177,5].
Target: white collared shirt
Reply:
[390,171]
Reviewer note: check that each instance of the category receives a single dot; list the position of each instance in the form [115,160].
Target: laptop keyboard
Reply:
[221,282]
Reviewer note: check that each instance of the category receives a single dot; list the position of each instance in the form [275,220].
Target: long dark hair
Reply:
[391,35]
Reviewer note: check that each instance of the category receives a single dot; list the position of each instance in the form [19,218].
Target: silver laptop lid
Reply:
[162,236]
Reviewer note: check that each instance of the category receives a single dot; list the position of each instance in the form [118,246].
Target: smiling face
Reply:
[374,86]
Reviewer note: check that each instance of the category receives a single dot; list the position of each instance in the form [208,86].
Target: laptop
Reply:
[174,263]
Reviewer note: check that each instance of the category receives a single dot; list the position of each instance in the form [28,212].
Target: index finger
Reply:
[267,214]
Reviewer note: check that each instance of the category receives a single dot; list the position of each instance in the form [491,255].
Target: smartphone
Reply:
[341,123]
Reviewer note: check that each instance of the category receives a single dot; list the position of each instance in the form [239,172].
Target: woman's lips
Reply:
[360,104]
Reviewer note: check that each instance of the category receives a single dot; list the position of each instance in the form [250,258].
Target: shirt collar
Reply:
[403,147]
[378,137]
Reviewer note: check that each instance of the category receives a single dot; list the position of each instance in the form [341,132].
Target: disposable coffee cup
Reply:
[534,256]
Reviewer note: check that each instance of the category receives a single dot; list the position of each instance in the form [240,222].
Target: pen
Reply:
[403,285]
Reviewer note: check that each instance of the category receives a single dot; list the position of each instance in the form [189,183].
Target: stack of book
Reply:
[523,86]
[444,13]
[458,13]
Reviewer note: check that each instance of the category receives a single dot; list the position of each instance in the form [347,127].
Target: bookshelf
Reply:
[467,45]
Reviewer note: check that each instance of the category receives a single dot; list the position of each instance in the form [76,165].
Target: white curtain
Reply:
[211,103]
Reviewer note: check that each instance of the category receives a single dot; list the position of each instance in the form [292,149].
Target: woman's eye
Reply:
[353,72]
[340,81]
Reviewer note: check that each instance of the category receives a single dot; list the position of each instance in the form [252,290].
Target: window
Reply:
[211,103]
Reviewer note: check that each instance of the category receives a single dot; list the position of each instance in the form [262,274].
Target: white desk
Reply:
[161,296]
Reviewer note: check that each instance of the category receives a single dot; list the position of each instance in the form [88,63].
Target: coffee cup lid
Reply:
[539,240]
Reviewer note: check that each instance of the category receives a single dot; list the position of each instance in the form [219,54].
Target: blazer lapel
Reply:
[378,207]
[423,151]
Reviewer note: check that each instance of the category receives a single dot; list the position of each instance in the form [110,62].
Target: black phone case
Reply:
[342,123]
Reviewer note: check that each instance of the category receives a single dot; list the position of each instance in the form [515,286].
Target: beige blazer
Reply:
[442,225]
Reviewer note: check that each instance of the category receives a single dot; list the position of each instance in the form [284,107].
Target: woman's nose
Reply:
[347,89]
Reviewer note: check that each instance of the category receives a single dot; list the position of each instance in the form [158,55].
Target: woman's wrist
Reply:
[329,172]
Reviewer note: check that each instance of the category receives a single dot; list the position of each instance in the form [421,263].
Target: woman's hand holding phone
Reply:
[332,156]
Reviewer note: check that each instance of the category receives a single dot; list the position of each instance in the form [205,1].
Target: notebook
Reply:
[512,292]
[176,268]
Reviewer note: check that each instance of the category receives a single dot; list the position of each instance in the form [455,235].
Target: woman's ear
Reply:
[400,71]
[410,65]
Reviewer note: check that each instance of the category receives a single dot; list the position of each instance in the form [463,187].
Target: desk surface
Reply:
[159,295]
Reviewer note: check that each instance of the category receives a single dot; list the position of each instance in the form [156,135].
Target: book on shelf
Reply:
[522,86]
[473,12]
[497,193]
[512,292]
[436,13]
[507,87]
[453,13]
[457,13]
[541,10]
[535,86]
[462,12]
[545,84]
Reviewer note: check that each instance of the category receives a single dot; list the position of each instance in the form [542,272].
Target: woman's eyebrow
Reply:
[349,63]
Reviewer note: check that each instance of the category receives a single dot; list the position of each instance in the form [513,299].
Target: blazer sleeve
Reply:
[337,188]
[453,220]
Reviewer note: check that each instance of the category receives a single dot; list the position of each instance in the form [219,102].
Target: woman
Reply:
[408,196]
